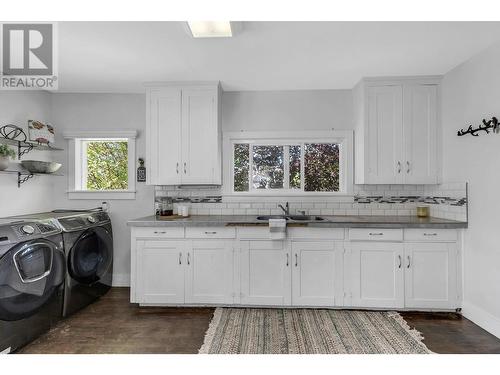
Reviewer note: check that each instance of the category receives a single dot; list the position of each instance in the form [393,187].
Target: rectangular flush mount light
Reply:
[210,29]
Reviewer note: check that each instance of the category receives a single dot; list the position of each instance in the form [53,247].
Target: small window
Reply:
[104,167]
[304,167]
[105,164]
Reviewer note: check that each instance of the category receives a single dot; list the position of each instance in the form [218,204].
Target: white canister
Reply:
[184,210]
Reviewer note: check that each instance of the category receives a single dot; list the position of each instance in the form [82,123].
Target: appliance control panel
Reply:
[34,229]
[83,220]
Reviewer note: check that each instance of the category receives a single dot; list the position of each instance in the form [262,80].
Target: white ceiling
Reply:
[120,56]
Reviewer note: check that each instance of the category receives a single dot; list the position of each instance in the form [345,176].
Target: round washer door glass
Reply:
[91,256]
[30,274]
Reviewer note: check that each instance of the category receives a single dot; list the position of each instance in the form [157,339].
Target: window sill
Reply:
[101,194]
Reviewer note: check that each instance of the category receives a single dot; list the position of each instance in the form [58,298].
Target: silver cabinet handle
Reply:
[188,261]
[210,232]
[430,234]
[408,266]
[177,168]
[180,258]
[184,167]
[376,234]
[287,258]
[399,167]
[408,165]
[296,260]
[162,232]
[400,261]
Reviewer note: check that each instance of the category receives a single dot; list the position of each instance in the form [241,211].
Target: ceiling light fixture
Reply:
[210,29]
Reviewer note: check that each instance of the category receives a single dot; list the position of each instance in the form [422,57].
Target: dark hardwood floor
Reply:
[113,325]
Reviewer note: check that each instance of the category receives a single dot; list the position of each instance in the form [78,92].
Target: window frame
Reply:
[289,138]
[76,159]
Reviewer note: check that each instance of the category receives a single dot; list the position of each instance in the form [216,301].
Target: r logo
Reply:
[27,49]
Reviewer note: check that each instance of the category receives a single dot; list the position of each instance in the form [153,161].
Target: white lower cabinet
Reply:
[377,278]
[209,272]
[431,275]
[373,268]
[160,272]
[315,273]
[420,275]
[184,272]
[265,268]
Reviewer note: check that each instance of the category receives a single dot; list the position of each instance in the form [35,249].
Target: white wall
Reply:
[287,110]
[106,112]
[35,195]
[471,92]
[273,110]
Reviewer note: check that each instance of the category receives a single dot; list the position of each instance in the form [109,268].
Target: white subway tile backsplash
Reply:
[445,200]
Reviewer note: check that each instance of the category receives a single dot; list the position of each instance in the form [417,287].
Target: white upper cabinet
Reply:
[183,134]
[420,133]
[163,134]
[384,133]
[397,130]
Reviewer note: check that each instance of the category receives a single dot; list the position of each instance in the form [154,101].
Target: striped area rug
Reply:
[310,331]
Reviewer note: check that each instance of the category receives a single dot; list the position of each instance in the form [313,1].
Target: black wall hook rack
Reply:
[487,126]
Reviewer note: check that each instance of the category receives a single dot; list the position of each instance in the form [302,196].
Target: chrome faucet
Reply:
[285,209]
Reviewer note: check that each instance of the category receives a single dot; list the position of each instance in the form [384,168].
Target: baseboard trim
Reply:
[482,318]
[121,280]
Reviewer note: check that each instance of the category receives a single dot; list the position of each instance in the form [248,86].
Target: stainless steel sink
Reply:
[291,217]
[305,218]
[267,217]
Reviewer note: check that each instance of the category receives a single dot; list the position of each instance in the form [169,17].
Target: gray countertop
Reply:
[329,222]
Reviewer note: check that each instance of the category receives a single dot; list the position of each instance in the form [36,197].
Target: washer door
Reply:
[91,256]
[30,274]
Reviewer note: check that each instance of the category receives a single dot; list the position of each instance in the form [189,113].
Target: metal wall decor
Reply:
[487,126]
[13,132]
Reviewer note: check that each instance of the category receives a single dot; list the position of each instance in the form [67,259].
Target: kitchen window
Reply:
[275,163]
[104,166]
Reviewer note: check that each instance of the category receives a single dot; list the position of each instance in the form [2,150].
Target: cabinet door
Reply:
[383,136]
[377,277]
[420,134]
[431,275]
[200,137]
[163,132]
[209,276]
[314,273]
[265,273]
[160,272]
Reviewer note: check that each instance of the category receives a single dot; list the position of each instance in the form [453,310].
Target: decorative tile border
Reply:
[412,199]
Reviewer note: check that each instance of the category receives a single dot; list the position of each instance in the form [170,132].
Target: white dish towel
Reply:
[277,229]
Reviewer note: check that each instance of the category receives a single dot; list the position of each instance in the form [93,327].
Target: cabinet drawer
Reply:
[316,233]
[375,234]
[448,235]
[210,232]
[159,232]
